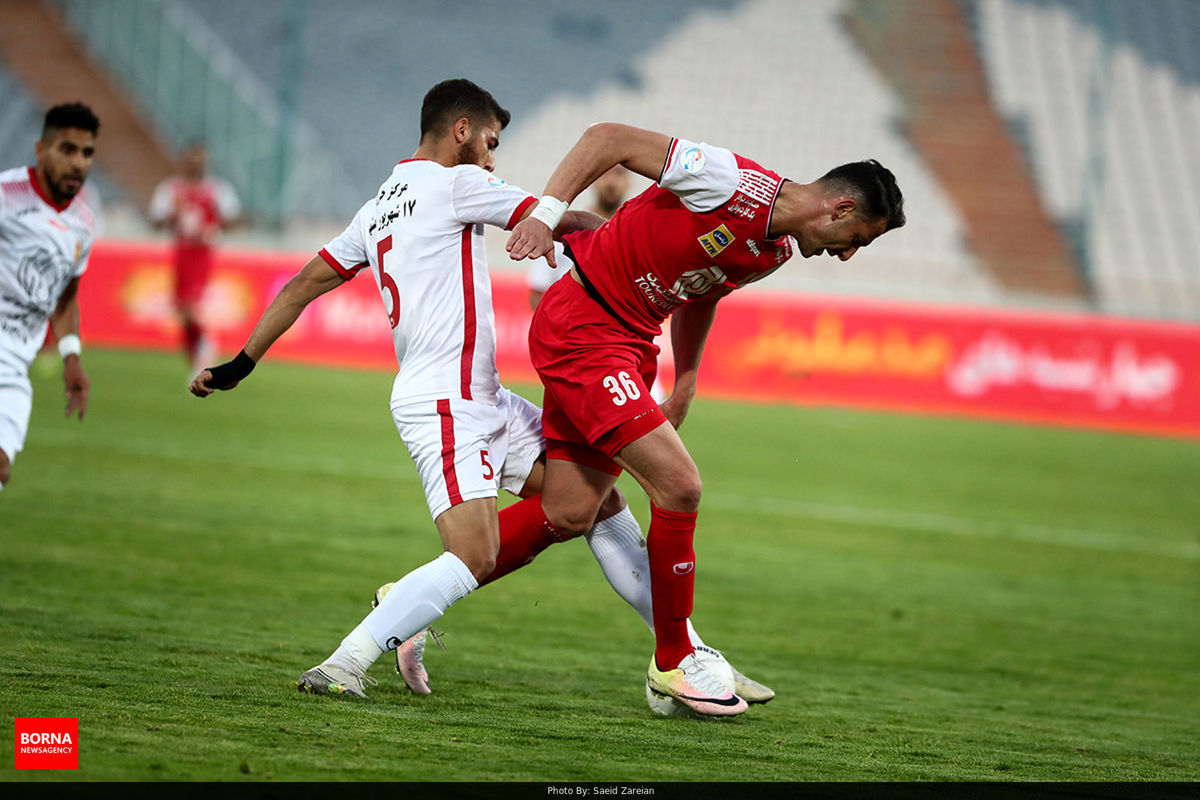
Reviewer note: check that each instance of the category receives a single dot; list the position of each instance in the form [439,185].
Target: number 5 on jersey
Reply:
[387,283]
[622,387]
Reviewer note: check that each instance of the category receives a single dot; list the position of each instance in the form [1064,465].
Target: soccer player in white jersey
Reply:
[46,234]
[421,238]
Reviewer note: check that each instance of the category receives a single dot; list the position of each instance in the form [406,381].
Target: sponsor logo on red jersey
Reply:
[716,240]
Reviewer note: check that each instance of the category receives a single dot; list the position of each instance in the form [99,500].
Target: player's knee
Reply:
[570,520]
[5,468]
[682,492]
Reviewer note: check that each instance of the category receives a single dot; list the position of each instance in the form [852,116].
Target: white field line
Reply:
[948,525]
[893,519]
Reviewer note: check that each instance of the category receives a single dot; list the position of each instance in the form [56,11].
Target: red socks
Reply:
[191,339]
[672,582]
[524,532]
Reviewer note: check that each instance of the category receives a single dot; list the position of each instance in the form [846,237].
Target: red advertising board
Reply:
[1053,368]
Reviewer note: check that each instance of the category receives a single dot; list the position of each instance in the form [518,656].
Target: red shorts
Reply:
[597,375]
[193,265]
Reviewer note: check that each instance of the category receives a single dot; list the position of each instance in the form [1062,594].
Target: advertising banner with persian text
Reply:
[1079,370]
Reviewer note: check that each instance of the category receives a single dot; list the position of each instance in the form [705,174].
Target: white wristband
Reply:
[549,211]
[69,345]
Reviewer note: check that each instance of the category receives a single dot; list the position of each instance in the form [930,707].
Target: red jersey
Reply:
[198,209]
[702,228]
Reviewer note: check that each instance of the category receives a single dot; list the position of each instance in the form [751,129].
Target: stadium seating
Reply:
[1104,97]
[1107,97]
[691,68]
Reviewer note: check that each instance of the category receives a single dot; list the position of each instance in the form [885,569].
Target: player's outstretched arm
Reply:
[314,280]
[602,147]
[64,324]
[690,325]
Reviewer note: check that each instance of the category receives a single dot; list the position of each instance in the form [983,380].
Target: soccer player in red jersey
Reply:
[195,206]
[420,237]
[713,222]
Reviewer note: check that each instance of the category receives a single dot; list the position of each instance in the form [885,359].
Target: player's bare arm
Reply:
[314,280]
[64,321]
[577,221]
[689,331]
[602,147]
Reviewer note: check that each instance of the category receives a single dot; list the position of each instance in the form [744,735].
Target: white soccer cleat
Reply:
[410,655]
[695,686]
[331,679]
[749,690]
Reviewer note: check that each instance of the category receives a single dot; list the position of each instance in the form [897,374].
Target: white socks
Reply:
[620,550]
[423,595]
[413,604]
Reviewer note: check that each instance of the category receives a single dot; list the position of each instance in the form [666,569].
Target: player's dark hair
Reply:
[457,98]
[69,115]
[872,186]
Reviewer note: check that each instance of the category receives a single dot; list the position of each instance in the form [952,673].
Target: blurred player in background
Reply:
[46,235]
[713,222]
[421,238]
[195,207]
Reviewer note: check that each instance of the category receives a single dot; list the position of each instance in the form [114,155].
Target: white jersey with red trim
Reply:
[422,238]
[43,247]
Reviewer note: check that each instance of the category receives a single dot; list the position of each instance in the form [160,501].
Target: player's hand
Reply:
[202,386]
[77,385]
[531,238]
[675,408]
[223,376]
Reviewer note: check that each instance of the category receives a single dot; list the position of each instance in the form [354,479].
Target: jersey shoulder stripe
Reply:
[345,272]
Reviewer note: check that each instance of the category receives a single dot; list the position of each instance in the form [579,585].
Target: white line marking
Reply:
[971,527]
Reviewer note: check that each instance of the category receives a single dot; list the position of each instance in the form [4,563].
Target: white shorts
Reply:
[465,450]
[16,403]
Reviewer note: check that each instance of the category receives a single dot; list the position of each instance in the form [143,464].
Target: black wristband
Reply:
[229,373]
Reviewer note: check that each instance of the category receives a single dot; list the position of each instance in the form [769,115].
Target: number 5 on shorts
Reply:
[488,472]
[622,387]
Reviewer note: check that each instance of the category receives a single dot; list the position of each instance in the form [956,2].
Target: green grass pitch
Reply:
[932,599]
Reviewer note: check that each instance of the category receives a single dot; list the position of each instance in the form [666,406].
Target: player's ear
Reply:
[843,208]
[461,130]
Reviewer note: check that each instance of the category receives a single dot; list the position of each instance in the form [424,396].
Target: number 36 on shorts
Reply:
[622,387]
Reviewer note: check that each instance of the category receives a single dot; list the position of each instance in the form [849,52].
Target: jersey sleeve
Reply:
[479,196]
[702,176]
[347,252]
[90,196]
[161,201]
[228,204]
